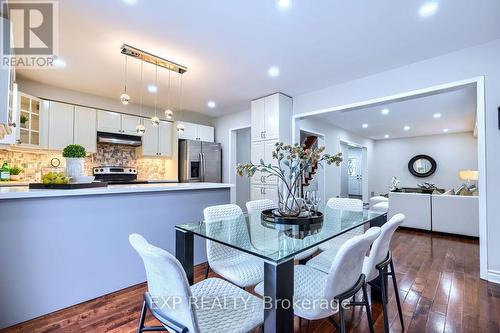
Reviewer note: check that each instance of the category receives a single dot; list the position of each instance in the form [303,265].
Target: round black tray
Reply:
[269,216]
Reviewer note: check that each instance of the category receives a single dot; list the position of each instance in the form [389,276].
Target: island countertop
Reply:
[19,192]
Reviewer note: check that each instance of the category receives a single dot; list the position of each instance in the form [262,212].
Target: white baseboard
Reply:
[494,276]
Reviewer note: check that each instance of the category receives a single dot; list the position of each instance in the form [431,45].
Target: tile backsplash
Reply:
[34,162]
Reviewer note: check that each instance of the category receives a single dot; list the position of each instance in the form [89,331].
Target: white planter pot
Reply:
[75,167]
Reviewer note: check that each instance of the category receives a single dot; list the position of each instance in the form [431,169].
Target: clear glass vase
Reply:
[289,202]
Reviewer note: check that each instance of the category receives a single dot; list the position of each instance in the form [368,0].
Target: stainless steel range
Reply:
[117,175]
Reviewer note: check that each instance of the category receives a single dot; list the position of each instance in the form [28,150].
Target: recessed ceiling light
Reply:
[284,3]
[211,104]
[445,130]
[406,128]
[273,71]
[364,125]
[152,88]
[385,111]
[437,115]
[428,9]
[130,2]
[59,62]
[386,136]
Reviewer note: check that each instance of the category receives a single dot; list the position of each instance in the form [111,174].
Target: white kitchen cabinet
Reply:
[165,132]
[149,139]
[197,132]
[271,118]
[109,122]
[60,125]
[259,192]
[157,141]
[258,108]
[206,133]
[263,150]
[85,128]
[129,123]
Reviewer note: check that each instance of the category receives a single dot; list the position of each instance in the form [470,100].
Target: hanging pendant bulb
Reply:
[155,121]
[125,98]
[169,114]
[140,128]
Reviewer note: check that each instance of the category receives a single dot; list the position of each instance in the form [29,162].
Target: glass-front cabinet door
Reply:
[29,120]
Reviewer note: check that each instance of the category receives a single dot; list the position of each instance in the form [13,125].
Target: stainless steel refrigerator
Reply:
[200,162]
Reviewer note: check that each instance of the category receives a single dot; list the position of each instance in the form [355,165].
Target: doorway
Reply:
[314,178]
[240,153]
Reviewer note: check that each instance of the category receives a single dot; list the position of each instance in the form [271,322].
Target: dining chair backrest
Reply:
[354,205]
[235,227]
[347,265]
[381,245]
[257,206]
[167,281]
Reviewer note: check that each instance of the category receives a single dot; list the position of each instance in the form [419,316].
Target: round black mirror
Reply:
[422,166]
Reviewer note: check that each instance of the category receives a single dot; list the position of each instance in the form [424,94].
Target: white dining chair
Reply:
[238,267]
[170,298]
[319,295]
[257,206]
[353,205]
[376,264]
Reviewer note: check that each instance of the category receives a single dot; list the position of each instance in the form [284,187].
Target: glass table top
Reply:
[277,242]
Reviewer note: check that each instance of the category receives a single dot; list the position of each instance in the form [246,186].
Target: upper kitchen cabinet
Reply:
[113,122]
[30,121]
[157,141]
[109,122]
[61,120]
[271,118]
[129,124]
[85,128]
[197,132]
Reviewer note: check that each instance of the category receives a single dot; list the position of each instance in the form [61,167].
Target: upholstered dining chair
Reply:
[376,264]
[353,205]
[319,295]
[238,267]
[170,298]
[257,206]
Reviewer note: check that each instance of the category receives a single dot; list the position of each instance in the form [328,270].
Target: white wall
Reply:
[243,140]
[223,126]
[482,60]
[333,137]
[452,152]
[75,97]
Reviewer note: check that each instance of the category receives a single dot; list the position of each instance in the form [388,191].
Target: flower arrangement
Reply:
[293,162]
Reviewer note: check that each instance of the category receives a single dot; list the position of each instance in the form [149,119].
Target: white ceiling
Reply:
[229,45]
[457,109]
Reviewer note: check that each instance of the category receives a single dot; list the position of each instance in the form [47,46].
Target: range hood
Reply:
[119,139]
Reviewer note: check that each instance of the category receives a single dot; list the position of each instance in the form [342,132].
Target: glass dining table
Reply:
[277,245]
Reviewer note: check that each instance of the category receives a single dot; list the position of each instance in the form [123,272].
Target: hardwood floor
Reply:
[438,280]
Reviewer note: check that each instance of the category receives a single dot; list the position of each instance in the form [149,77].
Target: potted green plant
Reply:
[292,163]
[75,160]
[15,173]
[24,121]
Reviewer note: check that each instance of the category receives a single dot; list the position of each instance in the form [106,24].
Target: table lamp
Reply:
[468,175]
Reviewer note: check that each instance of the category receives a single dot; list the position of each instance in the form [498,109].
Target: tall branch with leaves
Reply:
[293,162]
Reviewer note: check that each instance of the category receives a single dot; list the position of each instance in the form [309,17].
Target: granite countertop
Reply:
[19,192]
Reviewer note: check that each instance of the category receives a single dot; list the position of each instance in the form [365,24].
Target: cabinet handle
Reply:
[263,190]
[265,134]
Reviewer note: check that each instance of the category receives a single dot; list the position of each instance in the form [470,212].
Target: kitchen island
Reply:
[63,247]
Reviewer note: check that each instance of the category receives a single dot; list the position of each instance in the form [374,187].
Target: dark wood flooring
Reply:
[438,280]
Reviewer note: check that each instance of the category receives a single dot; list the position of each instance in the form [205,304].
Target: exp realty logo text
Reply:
[30,36]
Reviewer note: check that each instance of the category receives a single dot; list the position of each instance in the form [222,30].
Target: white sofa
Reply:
[415,206]
[455,214]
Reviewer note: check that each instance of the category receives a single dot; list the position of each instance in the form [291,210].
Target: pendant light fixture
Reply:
[169,114]
[180,126]
[124,98]
[140,128]
[155,121]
